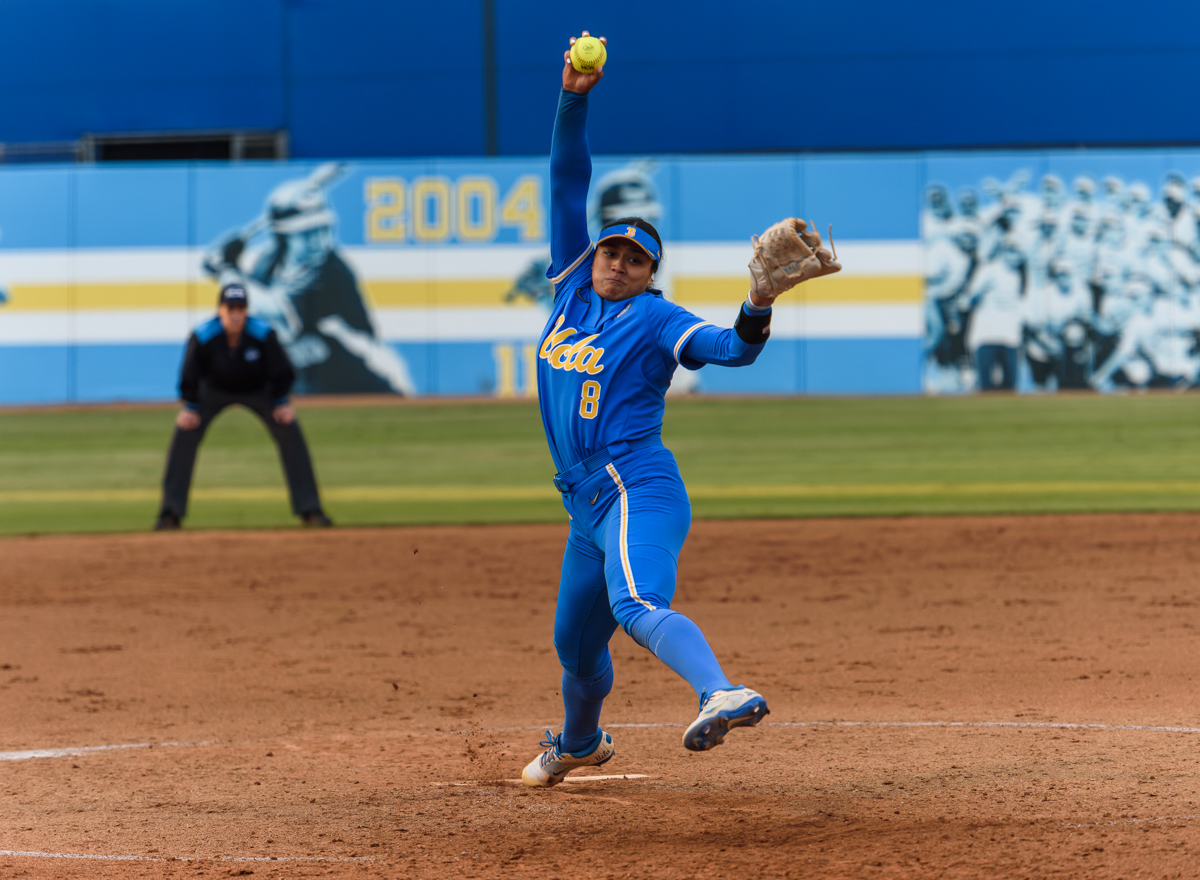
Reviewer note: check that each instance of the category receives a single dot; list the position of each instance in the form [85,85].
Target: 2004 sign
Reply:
[437,209]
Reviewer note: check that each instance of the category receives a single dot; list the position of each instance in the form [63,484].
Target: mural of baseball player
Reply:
[950,264]
[995,305]
[1056,330]
[1038,287]
[288,259]
[1157,347]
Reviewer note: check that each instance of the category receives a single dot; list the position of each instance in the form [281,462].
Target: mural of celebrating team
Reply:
[607,355]
[1095,286]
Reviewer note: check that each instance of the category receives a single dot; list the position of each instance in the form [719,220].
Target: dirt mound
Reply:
[958,697]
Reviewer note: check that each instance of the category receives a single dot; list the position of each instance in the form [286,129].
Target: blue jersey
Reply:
[604,367]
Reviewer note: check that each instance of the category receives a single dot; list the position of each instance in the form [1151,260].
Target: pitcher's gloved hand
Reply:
[788,253]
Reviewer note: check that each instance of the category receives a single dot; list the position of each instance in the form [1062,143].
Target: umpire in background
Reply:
[237,359]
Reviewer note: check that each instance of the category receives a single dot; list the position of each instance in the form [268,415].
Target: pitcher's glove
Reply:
[786,254]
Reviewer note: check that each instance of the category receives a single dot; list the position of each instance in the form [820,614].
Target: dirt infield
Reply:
[959,697]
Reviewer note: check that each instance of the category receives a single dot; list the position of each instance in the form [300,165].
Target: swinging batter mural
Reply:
[288,259]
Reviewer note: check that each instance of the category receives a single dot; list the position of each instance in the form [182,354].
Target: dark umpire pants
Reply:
[297,466]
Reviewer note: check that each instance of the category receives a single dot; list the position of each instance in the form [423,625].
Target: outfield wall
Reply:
[431,273]
[106,269]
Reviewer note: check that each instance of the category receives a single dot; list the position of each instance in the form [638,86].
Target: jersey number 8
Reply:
[589,403]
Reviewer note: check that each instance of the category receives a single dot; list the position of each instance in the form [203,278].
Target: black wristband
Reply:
[753,329]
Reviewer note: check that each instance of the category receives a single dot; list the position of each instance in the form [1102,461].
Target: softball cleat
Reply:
[551,766]
[740,707]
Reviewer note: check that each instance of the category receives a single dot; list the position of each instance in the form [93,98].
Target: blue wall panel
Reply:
[862,366]
[361,78]
[386,79]
[753,193]
[34,374]
[114,206]
[35,205]
[778,370]
[138,65]
[866,74]
[104,373]
[451,368]
[867,197]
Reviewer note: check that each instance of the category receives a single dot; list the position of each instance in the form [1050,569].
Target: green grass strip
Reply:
[99,469]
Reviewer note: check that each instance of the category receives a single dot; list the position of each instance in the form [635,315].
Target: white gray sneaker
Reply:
[551,766]
[740,707]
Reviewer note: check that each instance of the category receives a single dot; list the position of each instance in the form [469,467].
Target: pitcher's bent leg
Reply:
[646,530]
[670,636]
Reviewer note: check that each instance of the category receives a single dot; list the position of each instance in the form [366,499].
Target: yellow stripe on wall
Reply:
[124,295]
[833,289]
[432,293]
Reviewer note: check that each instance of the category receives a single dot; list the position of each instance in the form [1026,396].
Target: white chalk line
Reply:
[30,754]
[116,858]
[79,751]
[1043,725]
[1046,725]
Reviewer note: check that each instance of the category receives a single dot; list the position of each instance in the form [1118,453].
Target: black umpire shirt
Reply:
[258,364]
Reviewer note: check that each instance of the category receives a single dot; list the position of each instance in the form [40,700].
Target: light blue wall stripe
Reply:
[724,198]
[108,373]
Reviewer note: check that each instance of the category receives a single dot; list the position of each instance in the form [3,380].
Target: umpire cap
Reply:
[234,295]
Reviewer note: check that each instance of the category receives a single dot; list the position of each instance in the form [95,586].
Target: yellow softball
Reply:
[587,53]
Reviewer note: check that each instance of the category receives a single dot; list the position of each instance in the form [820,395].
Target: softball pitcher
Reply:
[606,359]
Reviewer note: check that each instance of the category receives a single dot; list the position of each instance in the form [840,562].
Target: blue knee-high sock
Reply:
[678,642]
[583,699]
